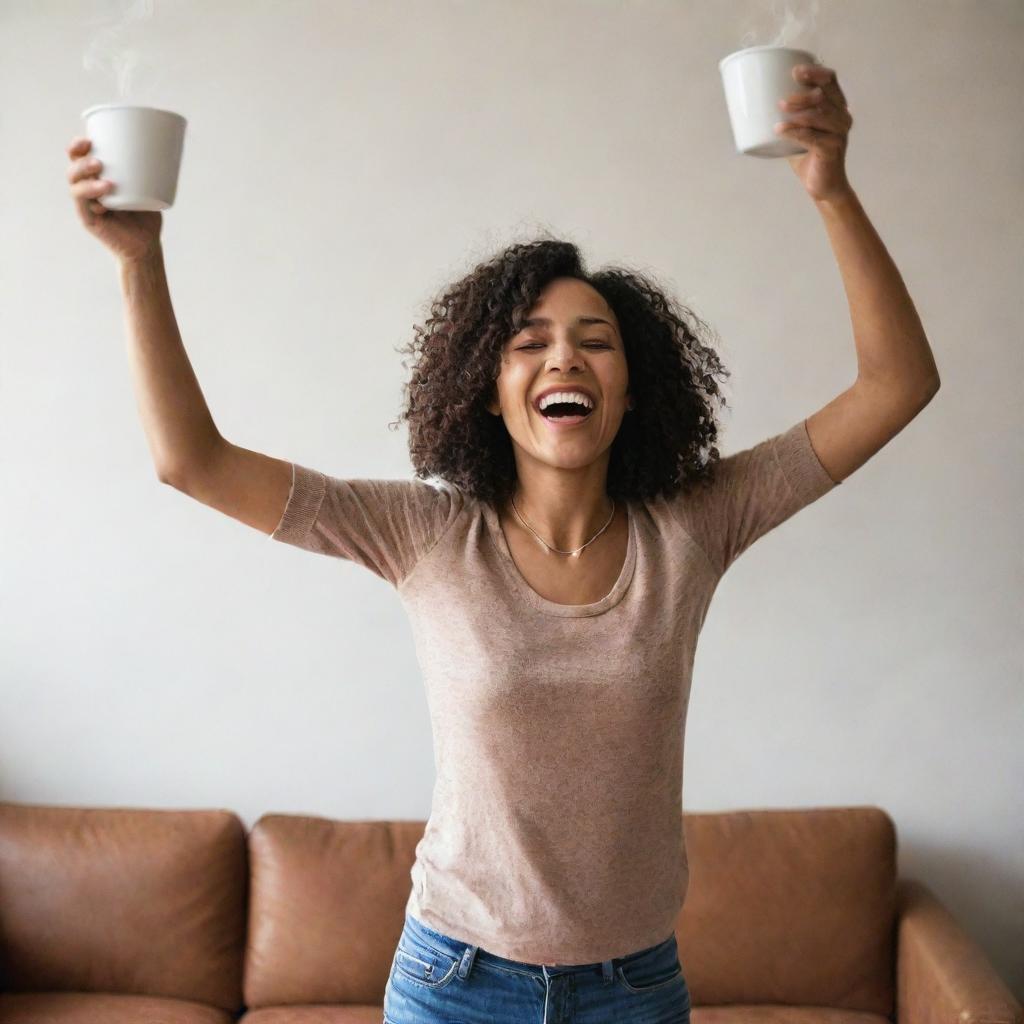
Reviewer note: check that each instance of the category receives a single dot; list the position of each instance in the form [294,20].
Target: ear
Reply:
[494,406]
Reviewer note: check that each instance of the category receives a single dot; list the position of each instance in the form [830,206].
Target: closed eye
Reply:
[535,344]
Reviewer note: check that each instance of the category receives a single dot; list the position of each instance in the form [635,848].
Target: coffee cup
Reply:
[140,150]
[755,79]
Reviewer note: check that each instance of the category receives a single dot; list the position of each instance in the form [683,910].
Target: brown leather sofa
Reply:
[182,917]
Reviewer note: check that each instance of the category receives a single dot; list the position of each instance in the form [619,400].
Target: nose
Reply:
[564,353]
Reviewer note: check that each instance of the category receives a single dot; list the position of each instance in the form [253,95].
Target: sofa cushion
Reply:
[89,1007]
[327,907]
[796,907]
[316,1015]
[123,900]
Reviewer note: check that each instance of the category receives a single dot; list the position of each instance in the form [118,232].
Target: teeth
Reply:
[565,396]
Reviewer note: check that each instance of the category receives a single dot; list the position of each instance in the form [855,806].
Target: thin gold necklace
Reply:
[576,551]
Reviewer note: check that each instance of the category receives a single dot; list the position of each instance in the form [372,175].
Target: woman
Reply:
[556,578]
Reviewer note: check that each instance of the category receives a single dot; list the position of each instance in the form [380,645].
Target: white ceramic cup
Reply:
[140,150]
[755,79]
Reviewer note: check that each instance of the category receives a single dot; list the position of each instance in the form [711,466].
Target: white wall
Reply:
[345,160]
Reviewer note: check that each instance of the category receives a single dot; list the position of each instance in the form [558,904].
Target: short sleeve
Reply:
[752,492]
[387,526]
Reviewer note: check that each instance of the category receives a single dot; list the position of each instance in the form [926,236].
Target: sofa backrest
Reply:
[791,906]
[123,900]
[327,907]
[784,906]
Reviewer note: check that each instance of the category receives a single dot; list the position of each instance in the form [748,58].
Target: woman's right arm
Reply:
[187,449]
[179,428]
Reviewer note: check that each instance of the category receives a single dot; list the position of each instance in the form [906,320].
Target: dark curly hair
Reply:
[664,445]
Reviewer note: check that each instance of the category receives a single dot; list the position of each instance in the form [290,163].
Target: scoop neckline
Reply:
[541,603]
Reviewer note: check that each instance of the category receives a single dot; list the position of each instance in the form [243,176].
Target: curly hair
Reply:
[666,444]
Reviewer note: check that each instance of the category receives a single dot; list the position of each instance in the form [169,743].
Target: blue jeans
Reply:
[439,980]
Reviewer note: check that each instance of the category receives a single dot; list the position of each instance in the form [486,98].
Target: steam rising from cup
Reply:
[111,50]
[791,25]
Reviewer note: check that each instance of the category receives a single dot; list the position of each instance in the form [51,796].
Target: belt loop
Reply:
[607,971]
[466,964]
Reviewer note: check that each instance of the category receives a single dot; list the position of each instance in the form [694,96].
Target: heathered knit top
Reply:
[555,834]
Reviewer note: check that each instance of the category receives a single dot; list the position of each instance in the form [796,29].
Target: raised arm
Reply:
[188,450]
[896,372]
[178,425]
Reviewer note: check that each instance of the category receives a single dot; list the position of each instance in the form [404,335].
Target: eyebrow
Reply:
[540,321]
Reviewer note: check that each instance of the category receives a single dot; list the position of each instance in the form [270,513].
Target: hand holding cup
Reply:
[820,120]
[130,235]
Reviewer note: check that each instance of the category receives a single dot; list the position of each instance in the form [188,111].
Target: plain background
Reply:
[343,162]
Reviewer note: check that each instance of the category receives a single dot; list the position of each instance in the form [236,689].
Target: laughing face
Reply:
[570,347]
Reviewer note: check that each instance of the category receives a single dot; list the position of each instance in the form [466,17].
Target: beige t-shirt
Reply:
[555,833]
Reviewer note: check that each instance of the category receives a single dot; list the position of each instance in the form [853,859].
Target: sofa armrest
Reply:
[941,973]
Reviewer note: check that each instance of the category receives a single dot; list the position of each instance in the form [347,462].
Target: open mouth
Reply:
[566,414]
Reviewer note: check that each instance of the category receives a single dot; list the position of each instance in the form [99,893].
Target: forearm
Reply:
[177,422]
[892,348]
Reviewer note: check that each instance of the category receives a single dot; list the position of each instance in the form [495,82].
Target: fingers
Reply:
[802,99]
[822,76]
[830,117]
[83,167]
[83,176]
[90,188]
[822,116]
[814,73]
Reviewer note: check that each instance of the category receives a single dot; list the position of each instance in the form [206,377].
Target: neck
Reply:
[564,520]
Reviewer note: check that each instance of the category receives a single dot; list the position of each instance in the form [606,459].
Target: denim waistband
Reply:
[467,953]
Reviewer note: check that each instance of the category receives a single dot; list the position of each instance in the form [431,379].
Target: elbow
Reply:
[165,476]
[918,394]
[932,389]
[912,394]
[919,399]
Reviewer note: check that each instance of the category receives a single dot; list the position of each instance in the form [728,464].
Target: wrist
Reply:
[844,198]
[153,256]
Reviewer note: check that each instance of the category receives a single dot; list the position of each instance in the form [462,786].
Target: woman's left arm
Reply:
[896,372]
